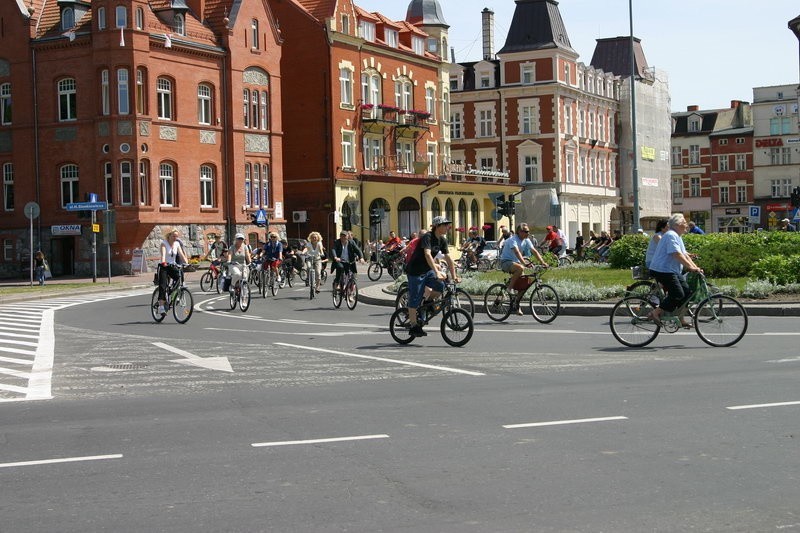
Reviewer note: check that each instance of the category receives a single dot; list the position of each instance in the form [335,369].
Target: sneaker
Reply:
[519,310]
[161,310]
[417,331]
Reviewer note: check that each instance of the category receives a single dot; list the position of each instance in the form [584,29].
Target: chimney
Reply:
[736,103]
[487,19]
[452,54]
[693,108]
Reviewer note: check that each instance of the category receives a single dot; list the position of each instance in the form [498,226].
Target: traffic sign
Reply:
[796,216]
[755,211]
[496,215]
[32,210]
[261,217]
[95,228]
[87,206]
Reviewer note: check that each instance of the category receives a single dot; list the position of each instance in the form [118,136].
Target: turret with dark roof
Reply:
[537,25]
[614,55]
[425,13]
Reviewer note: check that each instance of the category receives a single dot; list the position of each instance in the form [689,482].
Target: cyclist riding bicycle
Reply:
[171,251]
[554,241]
[315,252]
[513,258]
[238,258]
[669,258]
[474,246]
[218,249]
[272,254]
[422,270]
[345,252]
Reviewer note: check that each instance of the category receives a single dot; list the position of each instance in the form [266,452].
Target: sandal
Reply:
[657,320]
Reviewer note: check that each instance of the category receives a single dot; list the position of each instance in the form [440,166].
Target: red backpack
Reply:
[410,249]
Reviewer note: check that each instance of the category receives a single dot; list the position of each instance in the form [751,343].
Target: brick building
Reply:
[366,128]
[169,110]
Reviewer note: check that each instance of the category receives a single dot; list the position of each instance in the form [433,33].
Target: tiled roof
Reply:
[320,9]
[387,21]
[537,25]
[413,29]
[364,14]
[614,55]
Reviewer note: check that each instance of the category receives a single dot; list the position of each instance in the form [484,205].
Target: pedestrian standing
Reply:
[40,263]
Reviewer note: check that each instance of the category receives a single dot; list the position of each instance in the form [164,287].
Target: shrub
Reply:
[776,269]
[758,289]
[628,251]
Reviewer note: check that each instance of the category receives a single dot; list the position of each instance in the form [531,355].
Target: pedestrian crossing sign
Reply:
[261,217]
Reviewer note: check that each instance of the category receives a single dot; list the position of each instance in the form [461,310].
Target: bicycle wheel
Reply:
[398,269]
[273,283]
[545,304]
[303,275]
[484,265]
[262,283]
[462,300]
[232,296]
[630,324]
[244,296]
[216,282]
[375,271]
[281,281]
[290,277]
[206,282]
[497,302]
[402,298]
[323,275]
[311,280]
[351,294]
[399,326]
[337,297]
[457,327]
[720,321]
[565,260]
[641,288]
[183,306]
[158,317]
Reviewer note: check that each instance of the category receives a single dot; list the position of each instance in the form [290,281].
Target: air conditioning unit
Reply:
[299,216]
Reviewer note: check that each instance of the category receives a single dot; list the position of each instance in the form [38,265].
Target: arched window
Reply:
[347,214]
[436,208]
[206,186]
[204,103]
[475,220]
[166,176]
[144,182]
[449,213]
[5,104]
[69,184]
[121,17]
[101,18]
[126,182]
[141,91]
[164,94]
[404,94]
[67,100]
[139,18]
[247,183]
[67,19]
[256,101]
[123,92]
[408,216]
[463,222]
[179,24]
[254,34]
[371,88]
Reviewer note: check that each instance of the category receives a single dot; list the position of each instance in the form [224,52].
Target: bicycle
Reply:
[268,279]
[456,327]
[393,263]
[719,320]
[648,288]
[465,264]
[311,275]
[178,298]
[459,297]
[544,301]
[347,289]
[287,272]
[240,292]
[210,279]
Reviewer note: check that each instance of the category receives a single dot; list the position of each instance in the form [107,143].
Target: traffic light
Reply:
[374,217]
[795,197]
[511,206]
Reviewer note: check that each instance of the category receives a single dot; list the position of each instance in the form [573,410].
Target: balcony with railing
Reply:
[460,172]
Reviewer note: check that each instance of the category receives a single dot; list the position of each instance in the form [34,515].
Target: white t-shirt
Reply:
[172,251]
[314,251]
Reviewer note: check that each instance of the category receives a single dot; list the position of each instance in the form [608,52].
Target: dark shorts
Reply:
[417,284]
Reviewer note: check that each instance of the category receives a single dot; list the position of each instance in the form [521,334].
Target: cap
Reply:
[240,236]
[640,230]
[549,227]
[439,221]
[785,220]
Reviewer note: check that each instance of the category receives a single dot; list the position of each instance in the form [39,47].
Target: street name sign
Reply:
[87,206]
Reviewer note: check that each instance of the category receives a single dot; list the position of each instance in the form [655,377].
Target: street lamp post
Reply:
[794,25]
[635,173]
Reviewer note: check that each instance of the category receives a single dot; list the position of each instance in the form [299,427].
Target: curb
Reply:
[379,295]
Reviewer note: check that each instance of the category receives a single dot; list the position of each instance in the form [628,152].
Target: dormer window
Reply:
[345,24]
[366,30]
[486,80]
[67,18]
[694,124]
[453,83]
[527,76]
[179,24]
[418,44]
[391,38]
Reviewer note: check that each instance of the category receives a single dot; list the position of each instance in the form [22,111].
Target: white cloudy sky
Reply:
[714,51]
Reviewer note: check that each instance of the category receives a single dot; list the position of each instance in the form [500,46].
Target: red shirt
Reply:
[393,243]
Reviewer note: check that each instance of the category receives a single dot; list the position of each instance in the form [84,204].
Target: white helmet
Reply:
[240,236]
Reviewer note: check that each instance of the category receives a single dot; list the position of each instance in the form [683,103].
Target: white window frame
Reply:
[403,94]
[430,102]
[366,30]
[724,194]
[530,169]
[126,183]
[372,147]
[392,37]
[139,18]
[164,96]
[456,124]
[255,37]
[179,24]
[247,185]
[348,150]
[527,74]
[256,182]
[108,180]
[8,249]
[677,188]
[206,186]
[346,86]
[694,154]
[67,100]
[70,183]
[123,92]
[6,103]
[144,182]
[67,19]
[105,93]
[8,186]
[677,156]
[101,18]
[264,115]
[204,100]
[265,185]
[741,194]
[741,162]
[371,88]
[431,153]
[418,45]
[485,122]
[120,17]
[723,163]
[166,180]
[405,156]
[695,186]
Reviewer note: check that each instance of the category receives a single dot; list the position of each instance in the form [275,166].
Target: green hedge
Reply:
[720,254]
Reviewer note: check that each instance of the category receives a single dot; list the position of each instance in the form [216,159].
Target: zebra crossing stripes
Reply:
[27,345]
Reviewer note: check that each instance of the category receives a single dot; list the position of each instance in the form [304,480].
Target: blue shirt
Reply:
[273,250]
[525,247]
[663,261]
[651,249]
[696,230]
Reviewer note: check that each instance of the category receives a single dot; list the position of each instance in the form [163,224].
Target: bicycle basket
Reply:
[640,272]
[698,286]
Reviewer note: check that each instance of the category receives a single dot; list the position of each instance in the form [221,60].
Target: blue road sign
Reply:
[93,197]
[755,211]
[87,206]
[261,217]
[796,216]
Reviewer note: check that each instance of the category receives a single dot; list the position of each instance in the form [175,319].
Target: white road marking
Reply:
[395,361]
[563,422]
[791,360]
[211,363]
[19,335]
[14,373]
[317,441]
[62,460]
[13,388]
[227,313]
[12,359]
[39,386]
[759,405]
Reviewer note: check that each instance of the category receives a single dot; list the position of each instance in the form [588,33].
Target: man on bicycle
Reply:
[218,249]
[272,253]
[345,253]
[473,246]
[513,258]
[422,270]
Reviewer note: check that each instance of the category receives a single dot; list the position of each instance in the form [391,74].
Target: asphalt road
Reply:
[298,417]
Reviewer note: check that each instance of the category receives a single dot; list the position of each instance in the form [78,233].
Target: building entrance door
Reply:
[62,256]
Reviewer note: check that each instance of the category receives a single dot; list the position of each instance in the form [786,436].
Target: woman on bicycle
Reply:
[315,252]
[239,253]
[661,228]
[670,256]
[171,250]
